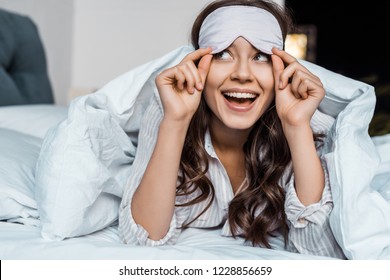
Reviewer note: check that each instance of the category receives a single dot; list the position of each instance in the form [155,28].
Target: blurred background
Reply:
[90,42]
[350,39]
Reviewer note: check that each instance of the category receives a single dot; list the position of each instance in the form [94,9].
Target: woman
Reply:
[230,142]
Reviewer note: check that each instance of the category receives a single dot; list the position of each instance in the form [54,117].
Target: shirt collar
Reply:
[209,145]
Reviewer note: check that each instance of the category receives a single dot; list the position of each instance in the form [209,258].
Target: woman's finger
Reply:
[281,65]
[191,75]
[294,72]
[286,57]
[203,68]
[297,80]
[197,54]
[302,89]
[179,79]
[277,68]
[302,77]
[186,75]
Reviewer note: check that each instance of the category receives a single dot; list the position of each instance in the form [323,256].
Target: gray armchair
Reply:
[23,69]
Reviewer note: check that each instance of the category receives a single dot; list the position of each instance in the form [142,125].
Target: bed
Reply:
[22,129]
[32,225]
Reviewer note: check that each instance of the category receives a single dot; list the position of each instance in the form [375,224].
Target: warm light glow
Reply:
[296,45]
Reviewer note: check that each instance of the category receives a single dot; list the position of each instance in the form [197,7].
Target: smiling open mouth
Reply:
[241,98]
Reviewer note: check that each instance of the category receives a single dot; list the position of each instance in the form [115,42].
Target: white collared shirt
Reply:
[309,233]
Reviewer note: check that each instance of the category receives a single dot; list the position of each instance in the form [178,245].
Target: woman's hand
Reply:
[180,87]
[298,92]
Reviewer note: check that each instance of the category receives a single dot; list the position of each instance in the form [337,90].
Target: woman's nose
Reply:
[242,71]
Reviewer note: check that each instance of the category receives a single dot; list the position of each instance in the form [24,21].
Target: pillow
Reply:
[18,156]
[34,119]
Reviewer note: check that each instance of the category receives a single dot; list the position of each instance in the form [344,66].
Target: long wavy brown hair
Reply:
[256,212]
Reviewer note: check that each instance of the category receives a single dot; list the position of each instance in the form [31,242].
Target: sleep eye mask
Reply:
[224,25]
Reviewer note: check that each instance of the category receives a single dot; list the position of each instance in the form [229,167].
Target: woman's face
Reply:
[239,86]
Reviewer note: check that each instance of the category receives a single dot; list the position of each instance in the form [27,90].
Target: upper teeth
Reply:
[240,94]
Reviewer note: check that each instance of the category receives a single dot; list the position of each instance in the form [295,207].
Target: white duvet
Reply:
[85,160]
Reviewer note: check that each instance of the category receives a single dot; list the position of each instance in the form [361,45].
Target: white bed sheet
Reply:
[23,242]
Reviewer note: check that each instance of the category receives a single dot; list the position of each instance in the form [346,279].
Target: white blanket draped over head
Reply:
[85,161]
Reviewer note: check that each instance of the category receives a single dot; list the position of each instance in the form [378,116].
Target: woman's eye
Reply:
[223,55]
[262,57]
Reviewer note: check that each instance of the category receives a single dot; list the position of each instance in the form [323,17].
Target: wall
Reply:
[90,42]
[112,37]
